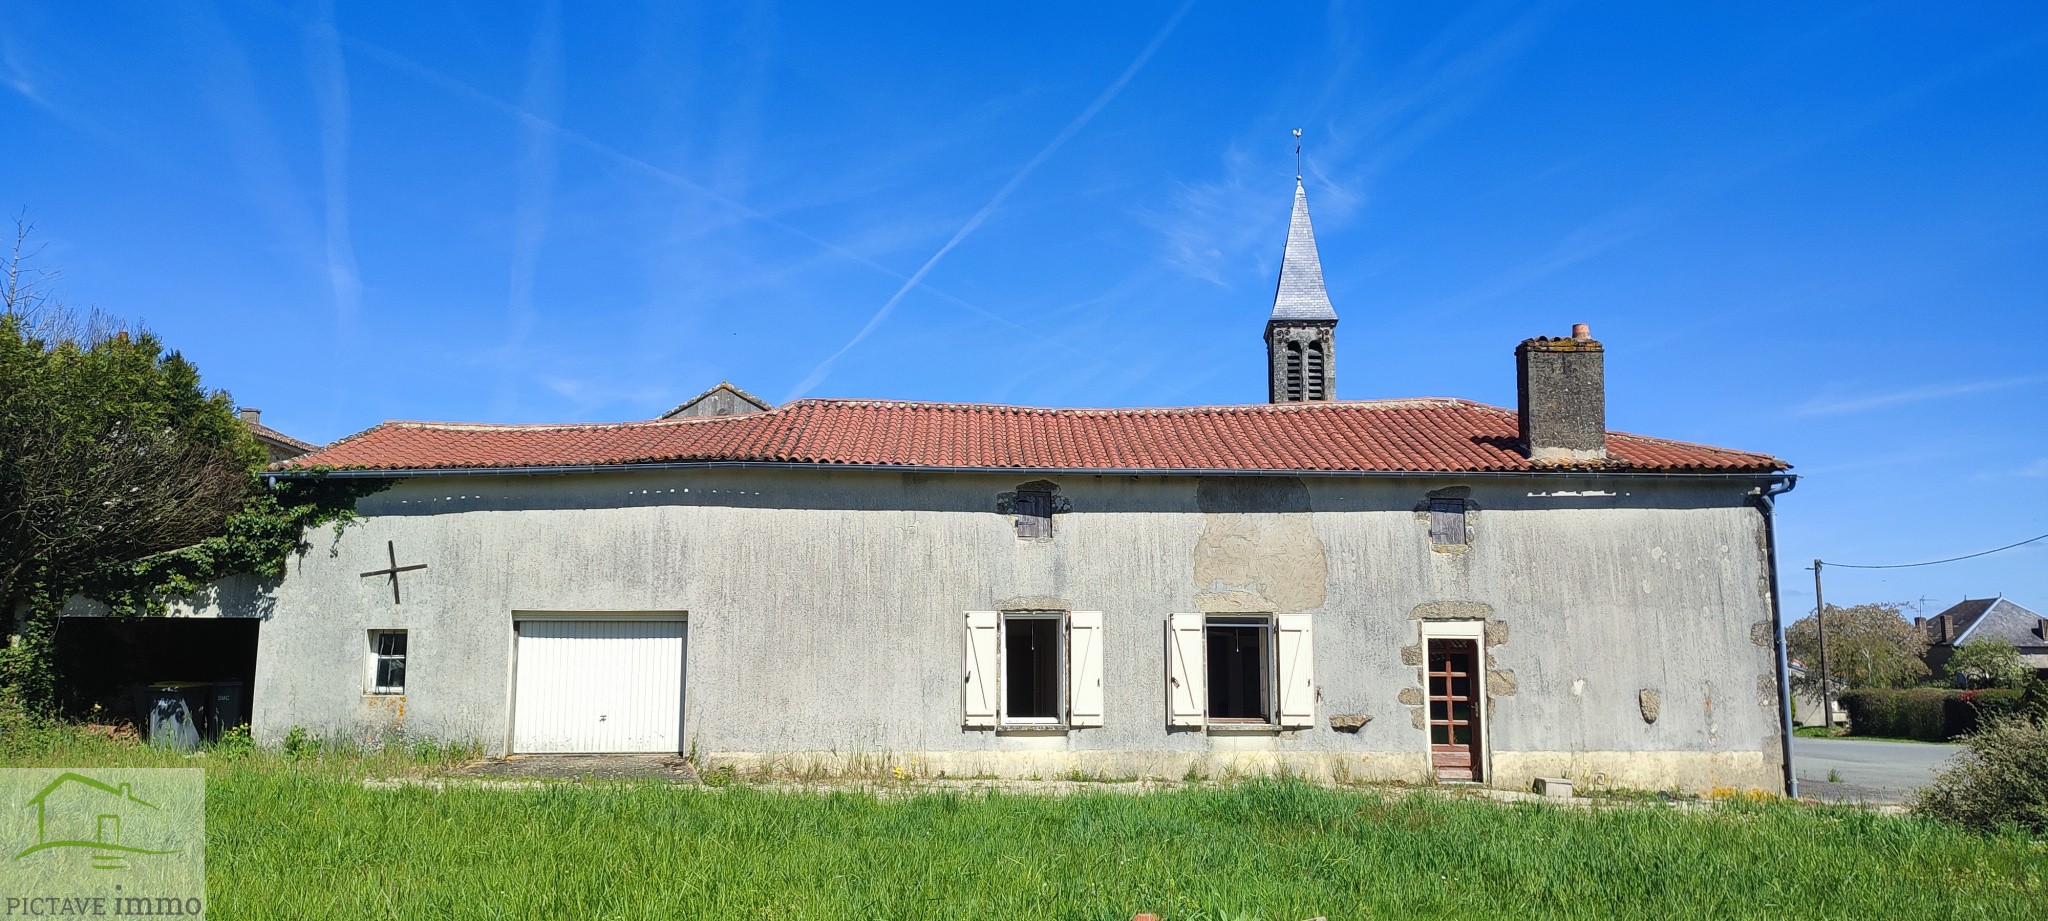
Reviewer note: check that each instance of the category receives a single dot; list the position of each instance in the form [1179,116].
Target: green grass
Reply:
[306,838]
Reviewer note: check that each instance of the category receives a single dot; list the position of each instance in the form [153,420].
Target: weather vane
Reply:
[1297,155]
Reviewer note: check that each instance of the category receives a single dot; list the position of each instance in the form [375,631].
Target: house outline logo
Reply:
[108,821]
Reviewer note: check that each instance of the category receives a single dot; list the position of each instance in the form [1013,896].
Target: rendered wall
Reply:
[825,613]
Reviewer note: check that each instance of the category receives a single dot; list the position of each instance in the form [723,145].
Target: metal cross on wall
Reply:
[395,569]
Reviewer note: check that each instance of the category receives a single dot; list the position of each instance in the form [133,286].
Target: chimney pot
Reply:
[1562,394]
[252,415]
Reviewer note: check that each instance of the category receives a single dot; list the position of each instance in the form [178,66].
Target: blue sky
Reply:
[1815,230]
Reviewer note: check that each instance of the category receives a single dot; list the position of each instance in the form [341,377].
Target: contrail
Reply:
[331,99]
[585,142]
[824,368]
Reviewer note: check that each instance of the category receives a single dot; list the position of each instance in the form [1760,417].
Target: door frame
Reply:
[1475,631]
[512,661]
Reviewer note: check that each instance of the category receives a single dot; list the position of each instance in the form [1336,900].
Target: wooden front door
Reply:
[1454,709]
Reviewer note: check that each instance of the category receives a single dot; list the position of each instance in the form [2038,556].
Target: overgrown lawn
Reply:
[306,838]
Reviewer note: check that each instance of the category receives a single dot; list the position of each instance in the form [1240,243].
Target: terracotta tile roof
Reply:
[1422,436]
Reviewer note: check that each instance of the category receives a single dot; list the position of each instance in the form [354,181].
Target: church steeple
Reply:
[1301,334]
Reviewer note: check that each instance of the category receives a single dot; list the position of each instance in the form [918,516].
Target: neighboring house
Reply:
[722,400]
[1807,703]
[282,447]
[1409,589]
[1981,618]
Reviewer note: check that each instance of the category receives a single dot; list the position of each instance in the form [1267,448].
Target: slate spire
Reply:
[1301,295]
[1301,334]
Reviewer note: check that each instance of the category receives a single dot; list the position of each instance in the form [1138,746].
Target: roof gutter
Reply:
[400,474]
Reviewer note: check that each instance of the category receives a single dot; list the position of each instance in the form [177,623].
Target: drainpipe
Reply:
[1763,500]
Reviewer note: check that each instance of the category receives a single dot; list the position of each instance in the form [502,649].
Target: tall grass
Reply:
[308,839]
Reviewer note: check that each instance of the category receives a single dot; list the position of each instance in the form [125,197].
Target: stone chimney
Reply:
[252,416]
[1562,389]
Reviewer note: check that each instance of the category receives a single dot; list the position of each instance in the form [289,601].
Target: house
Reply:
[280,445]
[1806,704]
[1420,590]
[1986,618]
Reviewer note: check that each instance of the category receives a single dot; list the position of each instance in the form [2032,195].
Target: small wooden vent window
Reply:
[1293,370]
[1447,522]
[1034,514]
[1312,386]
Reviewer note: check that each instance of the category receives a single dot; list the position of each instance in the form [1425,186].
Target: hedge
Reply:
[1930,714]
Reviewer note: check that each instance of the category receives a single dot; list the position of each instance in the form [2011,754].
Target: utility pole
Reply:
[1820,624]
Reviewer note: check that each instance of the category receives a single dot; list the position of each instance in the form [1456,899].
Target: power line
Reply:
[1952,559]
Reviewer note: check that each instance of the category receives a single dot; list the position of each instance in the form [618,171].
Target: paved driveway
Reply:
[1866,770]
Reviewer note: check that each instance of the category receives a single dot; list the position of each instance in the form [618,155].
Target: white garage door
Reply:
[598,686]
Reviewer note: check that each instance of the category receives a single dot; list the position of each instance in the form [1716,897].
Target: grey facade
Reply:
[824,614]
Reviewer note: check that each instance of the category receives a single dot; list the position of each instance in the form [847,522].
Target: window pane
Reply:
[391,643]
[1031,668]
[391,672]
[1237,672]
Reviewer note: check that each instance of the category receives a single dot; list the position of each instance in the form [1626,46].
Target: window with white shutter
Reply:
[1247,671]
[1084,669]
[982,682]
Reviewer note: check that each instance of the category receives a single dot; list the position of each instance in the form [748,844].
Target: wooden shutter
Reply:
[1447,521]
[1187,691]
[1297,671]
[1084,668]
[978,690]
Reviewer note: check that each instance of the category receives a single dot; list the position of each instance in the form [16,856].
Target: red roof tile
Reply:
[1422,436]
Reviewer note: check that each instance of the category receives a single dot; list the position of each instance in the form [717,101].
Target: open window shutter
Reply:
[1084,668]
[1187,692]
[978,690]
[1297,672]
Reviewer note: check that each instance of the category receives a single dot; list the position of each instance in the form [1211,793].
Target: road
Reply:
[1866,770]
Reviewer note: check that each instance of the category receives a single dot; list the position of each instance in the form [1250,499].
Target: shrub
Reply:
[2000,780]
[1930,714]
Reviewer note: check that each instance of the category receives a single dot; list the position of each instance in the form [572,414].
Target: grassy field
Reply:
[306,838]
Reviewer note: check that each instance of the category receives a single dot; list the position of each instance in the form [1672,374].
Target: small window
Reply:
[1034,514]
[1447,522]
[1034,665]
[1240,662]
[387,661]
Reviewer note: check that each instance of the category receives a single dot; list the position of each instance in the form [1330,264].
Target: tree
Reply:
[1988,662]
[122,478]
[1869,646]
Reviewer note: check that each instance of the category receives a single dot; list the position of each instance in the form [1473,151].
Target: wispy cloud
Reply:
[732,207]
[2038,468]
[533,200]
[1073,127]
[330,98]
[1834,406]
